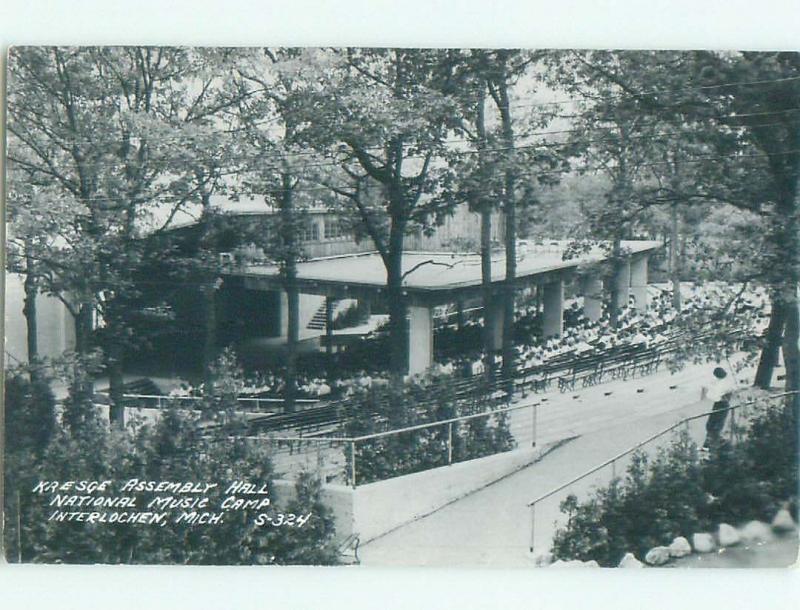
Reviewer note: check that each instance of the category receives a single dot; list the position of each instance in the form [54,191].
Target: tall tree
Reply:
[503,173]
[499,82]
[381,114]
[478,183]
[612,137]
[280,167]
[745,105]
[101,129]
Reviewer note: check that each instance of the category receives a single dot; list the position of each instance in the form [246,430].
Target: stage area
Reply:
[432,279]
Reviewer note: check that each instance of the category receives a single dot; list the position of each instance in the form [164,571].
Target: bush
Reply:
[417,450]
[178,447]
[677,494]
[29,415]
[635,514]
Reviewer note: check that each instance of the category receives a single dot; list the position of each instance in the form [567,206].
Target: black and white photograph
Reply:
[401,307]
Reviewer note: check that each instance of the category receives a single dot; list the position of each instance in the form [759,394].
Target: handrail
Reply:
[652,438]
[364,437]
[198,398]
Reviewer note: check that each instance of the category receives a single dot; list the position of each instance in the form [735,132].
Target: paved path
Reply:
[491,527]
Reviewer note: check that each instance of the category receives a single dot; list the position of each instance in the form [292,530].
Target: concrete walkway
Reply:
[491,527]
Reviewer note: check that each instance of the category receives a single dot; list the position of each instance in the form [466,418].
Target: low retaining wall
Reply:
[336,497]
[377,508]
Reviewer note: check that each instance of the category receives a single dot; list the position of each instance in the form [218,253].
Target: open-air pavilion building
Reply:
[253,306]
[442,278]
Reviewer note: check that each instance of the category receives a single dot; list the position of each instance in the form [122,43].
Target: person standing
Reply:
[720,392]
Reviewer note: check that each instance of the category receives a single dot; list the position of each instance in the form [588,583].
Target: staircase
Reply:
[142,386]
[317,322]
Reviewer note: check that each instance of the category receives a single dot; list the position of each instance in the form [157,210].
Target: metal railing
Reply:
[733,431]
[317,430]
[522,427]
[159,401]
[471,391]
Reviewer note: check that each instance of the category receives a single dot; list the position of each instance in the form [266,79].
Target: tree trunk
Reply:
[31,322]
[674,268]
[485,207]
[289,232]
[398,325]
[788,265]
[116,383]
[791,357]
[81,386]
[683,253]
[209,294]
[772,345]
[509,294]
[489,321]
[509,205]
[616,268]
[292,339]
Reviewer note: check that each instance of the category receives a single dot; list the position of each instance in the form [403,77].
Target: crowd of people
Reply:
[652,327]
[459,349]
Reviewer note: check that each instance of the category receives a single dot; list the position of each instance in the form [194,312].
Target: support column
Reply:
[553,316]
[460,315]
[495,321]
[592,290]
[622,282]
[420,339]
[639,282]
[329,325]
[283,314]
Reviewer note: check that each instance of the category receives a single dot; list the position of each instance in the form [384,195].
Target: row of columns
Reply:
[630,280]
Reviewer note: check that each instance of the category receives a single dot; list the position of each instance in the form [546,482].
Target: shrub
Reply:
[655,499]
[417,450]
[676,493]
[29,415]
[177,447]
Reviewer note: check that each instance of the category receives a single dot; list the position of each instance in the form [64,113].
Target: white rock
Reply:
[703,543]
[571,563]
[680,547]
[756,531]
[783,522]
[630,561]
[575,563]
[727,535]
[658,555]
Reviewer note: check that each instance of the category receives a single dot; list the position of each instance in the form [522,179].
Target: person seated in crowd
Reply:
[447,368]
[639,338]
[582,347]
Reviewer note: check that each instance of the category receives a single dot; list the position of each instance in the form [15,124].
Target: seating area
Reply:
[588,353]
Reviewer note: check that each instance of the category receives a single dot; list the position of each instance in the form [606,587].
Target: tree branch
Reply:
[422,264]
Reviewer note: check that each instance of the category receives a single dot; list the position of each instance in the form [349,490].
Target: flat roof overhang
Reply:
[432,279]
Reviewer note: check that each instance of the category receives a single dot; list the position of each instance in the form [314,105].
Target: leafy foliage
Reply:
[175,448]
[422,449]
[677,494]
